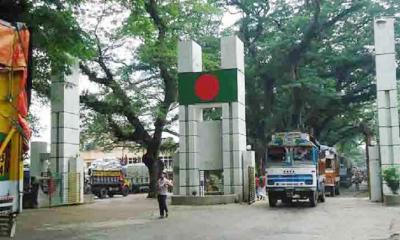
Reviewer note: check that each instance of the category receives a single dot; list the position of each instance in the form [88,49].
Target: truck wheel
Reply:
[272,200]
[287,201]
[337,192]
[313,198]
[125,191]
[103,193]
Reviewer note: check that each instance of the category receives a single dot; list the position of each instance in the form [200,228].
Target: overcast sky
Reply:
[43,110]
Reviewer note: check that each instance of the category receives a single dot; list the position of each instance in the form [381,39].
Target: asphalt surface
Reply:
[348,216]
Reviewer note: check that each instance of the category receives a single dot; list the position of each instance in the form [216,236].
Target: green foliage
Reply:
[56,36]
[309,66]
[391,176]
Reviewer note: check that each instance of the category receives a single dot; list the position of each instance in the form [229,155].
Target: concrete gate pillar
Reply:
[211,145]
[388,119]
[64,157]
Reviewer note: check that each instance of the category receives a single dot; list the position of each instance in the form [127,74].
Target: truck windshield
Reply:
[302,155]
[276,155]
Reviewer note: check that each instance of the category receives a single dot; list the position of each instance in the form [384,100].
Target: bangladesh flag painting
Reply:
[208,87]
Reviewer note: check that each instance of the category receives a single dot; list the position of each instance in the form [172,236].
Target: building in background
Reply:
[132,156]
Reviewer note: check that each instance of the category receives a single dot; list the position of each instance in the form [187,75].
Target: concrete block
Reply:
[182,128]
[193,160]
[227,177]
[237,190]
[396,154]
[228,189]
[237,159]
[384,118]
[193,113]
[395,135]
[193,144]
[225,111]
[238,126]
[394,117]
[226,142]
[193,176]
[385,72]
[193,128]
[385,136]
[182,144]
[182,160]
[182,112]
[241,88]
[232,53]
[249,159]
[64,135]
[239,142]
[65,150]
[183,191]
[391,199]
[189,57]
[65,119]
[384,35]
[393,98]
[383,101]
[226,159]
[237,176]
[182,177]
[386,154]
[226,123]
[238,110]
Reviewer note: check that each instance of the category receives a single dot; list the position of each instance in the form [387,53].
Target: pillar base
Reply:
[391,199]
[205,200]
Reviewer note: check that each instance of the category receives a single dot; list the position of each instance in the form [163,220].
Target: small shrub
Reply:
[392,179]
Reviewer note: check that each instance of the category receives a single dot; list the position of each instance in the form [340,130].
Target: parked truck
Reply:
[292,169]
[109,182]
[332,170]
[15,90]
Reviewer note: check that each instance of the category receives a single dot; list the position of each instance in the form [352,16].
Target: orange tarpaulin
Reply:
[14,57]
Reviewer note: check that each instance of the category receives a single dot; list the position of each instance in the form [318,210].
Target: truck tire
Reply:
[313,198]
[272,200]
[287,200]
[125,191]
[103,193]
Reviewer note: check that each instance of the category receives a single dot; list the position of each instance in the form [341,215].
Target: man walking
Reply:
[163,184]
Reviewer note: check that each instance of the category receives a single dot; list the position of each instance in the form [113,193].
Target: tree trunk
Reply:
[155,167]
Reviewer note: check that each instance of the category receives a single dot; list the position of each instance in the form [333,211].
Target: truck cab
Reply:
[292,169]
[332,170]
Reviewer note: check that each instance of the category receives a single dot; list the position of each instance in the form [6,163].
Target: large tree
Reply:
[56,36]
[137,83]
[309,67]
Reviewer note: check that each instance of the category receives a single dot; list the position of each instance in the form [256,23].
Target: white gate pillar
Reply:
[389,140]
[64,154]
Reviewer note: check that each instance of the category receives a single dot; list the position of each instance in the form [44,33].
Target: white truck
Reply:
[292,169]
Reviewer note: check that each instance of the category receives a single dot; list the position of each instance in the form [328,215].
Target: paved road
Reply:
[135,217]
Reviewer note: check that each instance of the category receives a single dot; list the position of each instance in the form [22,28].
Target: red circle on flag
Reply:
[207,87]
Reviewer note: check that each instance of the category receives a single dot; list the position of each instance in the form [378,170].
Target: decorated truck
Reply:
[332,170]
[15,88]
[292,169]
[109,182]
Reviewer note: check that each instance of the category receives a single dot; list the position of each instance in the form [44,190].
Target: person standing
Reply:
[163,184]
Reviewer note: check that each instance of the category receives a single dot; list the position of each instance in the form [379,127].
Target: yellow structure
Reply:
[14,130]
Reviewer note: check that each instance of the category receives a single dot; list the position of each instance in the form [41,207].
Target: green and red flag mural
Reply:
[206,87]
